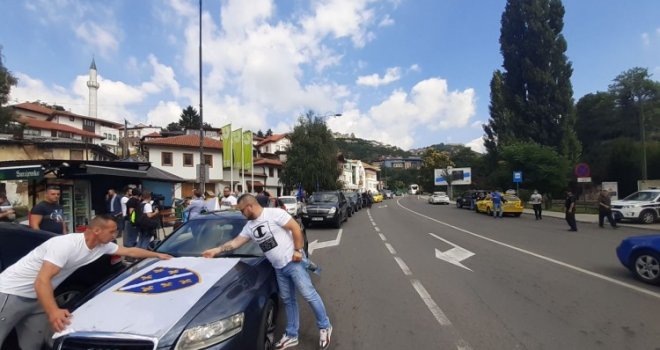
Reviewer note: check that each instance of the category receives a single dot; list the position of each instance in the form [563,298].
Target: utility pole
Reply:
[202,163]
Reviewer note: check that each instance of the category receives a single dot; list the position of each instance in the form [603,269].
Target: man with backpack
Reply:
[130,228]
[147,220]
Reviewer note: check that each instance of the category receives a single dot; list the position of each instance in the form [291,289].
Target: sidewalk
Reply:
[593,219]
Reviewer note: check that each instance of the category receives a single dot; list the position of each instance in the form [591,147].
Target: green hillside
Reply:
[366,150]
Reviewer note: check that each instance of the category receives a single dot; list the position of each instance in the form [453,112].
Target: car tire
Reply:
[459,205]
[646,266]
[647,217]
[266,338]
[517,215]
[488,211]
[338,221]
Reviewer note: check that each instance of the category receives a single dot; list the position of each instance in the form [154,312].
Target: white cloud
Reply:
[391,75]
[477,145]
[386,21]
[164,113]
[415,68]
[99,38]
[429,104]
[646,40]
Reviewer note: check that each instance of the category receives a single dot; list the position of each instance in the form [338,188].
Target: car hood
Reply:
[653,239]
[321,205]
[151,298]
[624,202]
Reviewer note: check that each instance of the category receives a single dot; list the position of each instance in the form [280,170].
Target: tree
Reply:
[260,133]
[269,132]
[431,160]
[173,126]
[7,80]
[189,119]
[312,156]
[498,130]
[536,98]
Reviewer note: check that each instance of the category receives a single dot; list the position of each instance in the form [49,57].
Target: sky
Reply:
[409,73]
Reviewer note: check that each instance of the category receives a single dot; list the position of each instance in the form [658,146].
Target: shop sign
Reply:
[21,172]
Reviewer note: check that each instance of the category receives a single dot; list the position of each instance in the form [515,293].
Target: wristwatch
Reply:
[301,251]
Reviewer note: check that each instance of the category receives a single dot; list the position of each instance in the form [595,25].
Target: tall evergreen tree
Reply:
[7,80]
[498,131]
[312,156]
[536,87]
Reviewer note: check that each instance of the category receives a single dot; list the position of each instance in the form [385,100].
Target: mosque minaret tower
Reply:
[93,86]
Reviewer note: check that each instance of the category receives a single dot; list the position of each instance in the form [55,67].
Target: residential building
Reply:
[274,145]
[353,175]
[400,162]
[371,177]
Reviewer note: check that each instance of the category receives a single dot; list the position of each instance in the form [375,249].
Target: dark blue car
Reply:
[189,302]
[641,255]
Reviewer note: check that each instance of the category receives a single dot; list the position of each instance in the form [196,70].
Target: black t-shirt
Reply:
[132,203]
[52,216]
[569,200]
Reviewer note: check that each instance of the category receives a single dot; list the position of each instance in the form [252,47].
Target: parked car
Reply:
[326,207]
[387,194]
[229,302]
[468,199]
[642,206]
[292,205]
[353,200]
[641,255]
[18,240]
[378,197]
[439,198]
[511,205]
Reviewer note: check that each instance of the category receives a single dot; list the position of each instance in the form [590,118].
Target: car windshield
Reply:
[196,236]
[439,194]
[288,200]
[323,198]
[642,196]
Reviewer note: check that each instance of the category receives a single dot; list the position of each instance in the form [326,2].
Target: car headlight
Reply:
[201,337]
[332,210]
[629,206]
[304,210]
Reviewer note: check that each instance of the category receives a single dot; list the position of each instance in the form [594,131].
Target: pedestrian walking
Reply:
[605,209]
[27,302]
[113,207]
[131,230]
[569,206]
[48,215]
[497,199]
[280,238]
[536,199]
[196,205]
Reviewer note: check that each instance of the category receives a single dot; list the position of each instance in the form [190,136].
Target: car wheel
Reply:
[488,211]
[458,205]
[517,215]
[266,339]
[338,221]
[350,212]
[646,266]
[647,217]
[66,297]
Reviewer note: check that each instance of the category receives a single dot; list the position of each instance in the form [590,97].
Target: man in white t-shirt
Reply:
[280,238]
[27,302]
[228,201]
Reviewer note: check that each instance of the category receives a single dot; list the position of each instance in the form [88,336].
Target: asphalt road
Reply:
[513,283]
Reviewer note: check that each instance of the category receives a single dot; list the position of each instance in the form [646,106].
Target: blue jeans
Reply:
[144,238]
[294,277]
[497,210]
[130,234]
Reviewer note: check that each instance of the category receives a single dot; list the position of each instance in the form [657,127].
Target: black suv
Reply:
[468,198]
[326,207]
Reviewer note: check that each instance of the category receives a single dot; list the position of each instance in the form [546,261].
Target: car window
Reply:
[288,200]
[324,198]
[642,196]
[196,236]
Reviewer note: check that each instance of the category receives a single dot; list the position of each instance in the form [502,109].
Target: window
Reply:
[31,132]
[76,154]
[166,158]
[114,137]
[71,118]
[89,125]
[271,172]
[208,160]
[187,159]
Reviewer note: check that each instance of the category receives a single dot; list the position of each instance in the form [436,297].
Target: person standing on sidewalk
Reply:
[496,197]
[49,214]
[605,209]
[537,200]
[570,210]
[280,238]
[130,229]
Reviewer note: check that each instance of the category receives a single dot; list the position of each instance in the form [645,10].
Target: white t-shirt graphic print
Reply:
[275,241]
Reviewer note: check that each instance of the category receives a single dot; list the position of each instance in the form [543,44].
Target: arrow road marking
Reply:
[454,255]
[316,245]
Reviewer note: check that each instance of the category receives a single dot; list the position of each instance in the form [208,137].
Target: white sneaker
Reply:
[286,342]
[324,338]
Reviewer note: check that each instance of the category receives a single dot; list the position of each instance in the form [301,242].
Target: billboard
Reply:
[458,176]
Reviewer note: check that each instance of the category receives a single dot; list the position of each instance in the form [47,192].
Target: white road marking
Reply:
[433,307]
[382,236]
[316,245]
[542,257]
[390,248]
[454,255]
[376,228]
[403,266]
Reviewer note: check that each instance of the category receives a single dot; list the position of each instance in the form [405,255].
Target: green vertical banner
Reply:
[237,145]
[247,150]
[226,146]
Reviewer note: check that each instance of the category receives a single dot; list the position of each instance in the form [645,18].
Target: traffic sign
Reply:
[517,177]
[584,179]
[582,170]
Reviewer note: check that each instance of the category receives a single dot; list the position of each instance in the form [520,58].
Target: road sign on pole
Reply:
[517,176]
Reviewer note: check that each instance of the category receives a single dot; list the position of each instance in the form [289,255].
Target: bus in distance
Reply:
[413,189]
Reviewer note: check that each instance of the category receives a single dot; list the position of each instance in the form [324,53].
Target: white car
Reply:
[292,205]
[439,198]
[642,206]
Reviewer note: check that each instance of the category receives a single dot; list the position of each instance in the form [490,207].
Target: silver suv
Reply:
[642,206]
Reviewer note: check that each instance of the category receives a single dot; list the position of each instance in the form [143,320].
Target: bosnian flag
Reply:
[150,301]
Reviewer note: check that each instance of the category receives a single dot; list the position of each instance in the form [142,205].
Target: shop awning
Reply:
[256,183]
[112,171]
[21,172]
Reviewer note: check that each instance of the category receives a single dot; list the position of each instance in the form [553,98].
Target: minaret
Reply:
[93,86]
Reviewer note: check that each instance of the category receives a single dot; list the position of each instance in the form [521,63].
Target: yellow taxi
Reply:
[378,197]
[511,205]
